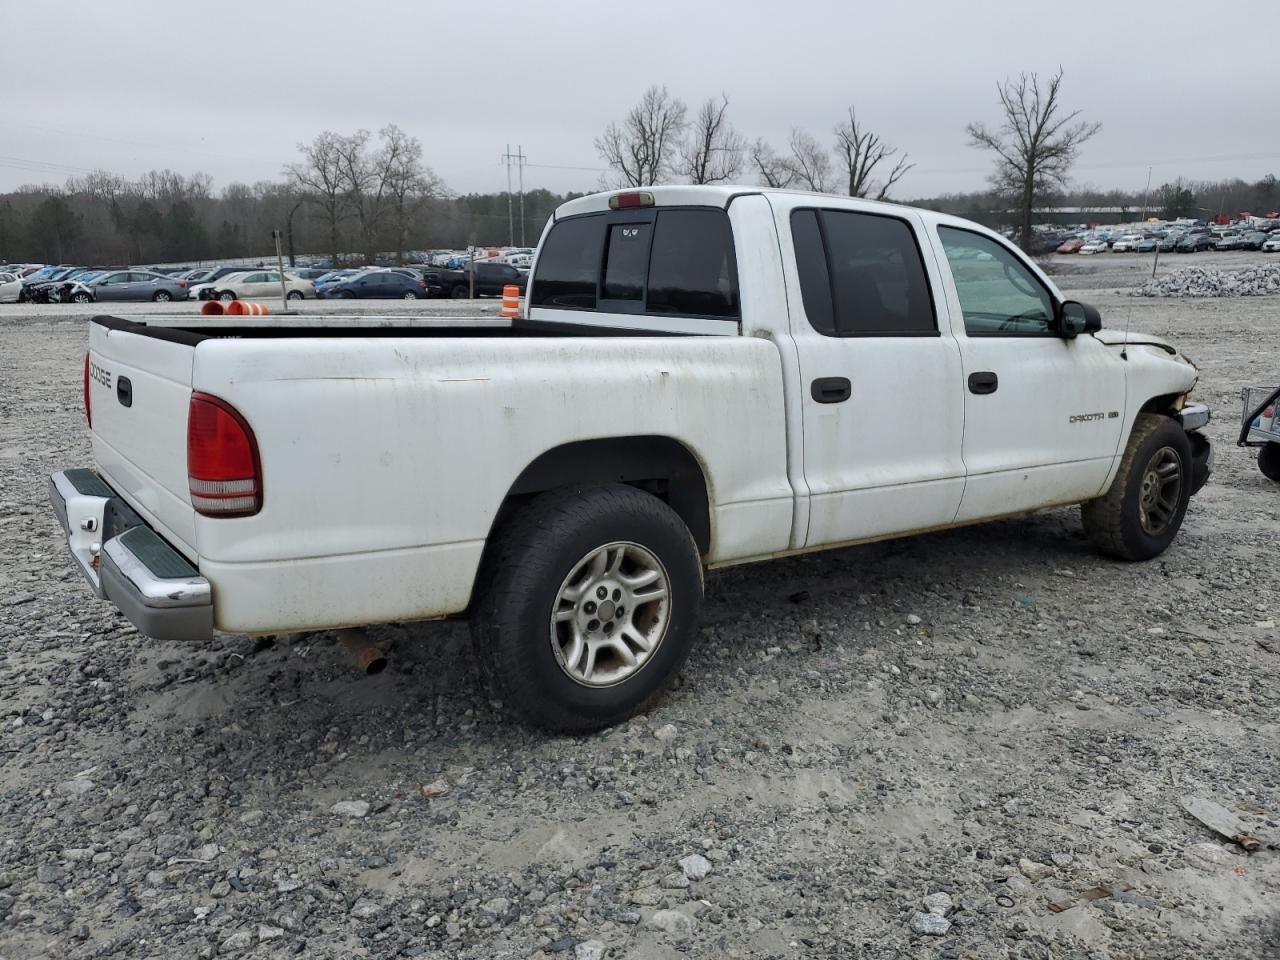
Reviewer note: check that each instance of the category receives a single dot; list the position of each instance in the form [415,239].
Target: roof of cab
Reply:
[701,195]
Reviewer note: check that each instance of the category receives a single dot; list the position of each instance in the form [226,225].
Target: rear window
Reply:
[569,264]
[673,261]
[861,275]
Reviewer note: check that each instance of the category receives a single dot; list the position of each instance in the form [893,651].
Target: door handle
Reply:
[983,381]
[831,389]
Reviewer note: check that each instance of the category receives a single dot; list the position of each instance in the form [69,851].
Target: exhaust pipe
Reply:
[367,655]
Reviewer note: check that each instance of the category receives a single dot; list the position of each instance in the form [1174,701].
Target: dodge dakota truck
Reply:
[703,376]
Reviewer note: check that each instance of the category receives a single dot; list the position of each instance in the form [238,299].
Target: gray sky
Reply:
[1185,85]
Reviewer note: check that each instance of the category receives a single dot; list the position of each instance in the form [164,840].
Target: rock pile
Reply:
[1254,281]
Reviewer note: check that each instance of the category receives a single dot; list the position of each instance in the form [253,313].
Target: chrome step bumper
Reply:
[126,562]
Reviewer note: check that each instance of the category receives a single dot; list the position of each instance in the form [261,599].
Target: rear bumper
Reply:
[125,561]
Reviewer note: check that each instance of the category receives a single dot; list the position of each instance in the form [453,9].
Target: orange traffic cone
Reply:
[511,300]
[211,308]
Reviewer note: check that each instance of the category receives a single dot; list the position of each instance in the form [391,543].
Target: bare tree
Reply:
[320,178]
[713,152]
[1034,146]
[861,151]
[643,150]
[773,170]
[809,163]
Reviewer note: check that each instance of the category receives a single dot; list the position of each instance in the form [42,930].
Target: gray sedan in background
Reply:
[128,285]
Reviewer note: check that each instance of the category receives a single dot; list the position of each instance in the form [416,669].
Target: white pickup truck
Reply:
[703,376]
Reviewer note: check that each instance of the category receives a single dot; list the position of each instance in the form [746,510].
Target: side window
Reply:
[626,261]
[691,269]
[861,275]
[998,295]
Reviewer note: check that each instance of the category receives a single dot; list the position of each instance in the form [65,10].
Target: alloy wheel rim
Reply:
[610,614]
[1161,491]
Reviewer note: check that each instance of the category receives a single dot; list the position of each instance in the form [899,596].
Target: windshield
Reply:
[91,275]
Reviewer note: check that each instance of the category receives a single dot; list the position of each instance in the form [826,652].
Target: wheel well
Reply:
[660,465]
[1165,404]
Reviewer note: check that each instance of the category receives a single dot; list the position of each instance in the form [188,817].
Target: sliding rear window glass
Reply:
[691,270]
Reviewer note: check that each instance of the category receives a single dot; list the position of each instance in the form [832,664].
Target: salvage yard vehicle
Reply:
[704,376]
[250,284]
[124,285]
[377,284]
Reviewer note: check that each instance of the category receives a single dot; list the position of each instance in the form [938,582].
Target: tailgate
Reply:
[139,391]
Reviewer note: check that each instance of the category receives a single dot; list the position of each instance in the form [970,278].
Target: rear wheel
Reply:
[460,292]
[409,295]
[1269,461]
[587,605]
[294,295]
[1140,515]
[162,296]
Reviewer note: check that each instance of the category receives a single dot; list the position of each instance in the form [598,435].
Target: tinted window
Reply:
[811,262]
[998,295]
[626,261]
[878,282]
[691,270]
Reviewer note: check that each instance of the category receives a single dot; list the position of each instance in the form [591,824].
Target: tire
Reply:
[459,292]
[226,296]
[162,296]
[564,674]
[1140,515]
[81,298]
[1269,461]
[409,295]
[293,295]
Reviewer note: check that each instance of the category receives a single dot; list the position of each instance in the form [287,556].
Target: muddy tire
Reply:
[587,606]
[1269,461]
[1140,515]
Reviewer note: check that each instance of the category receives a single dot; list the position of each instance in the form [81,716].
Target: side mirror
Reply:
[1075,318]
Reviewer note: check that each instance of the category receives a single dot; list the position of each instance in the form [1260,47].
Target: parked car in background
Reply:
[1071,246]
[1096,245]
[1229,241]
[1253,240]
[260,285]
[1147,245]
[10,288]
[120,285]
[1271,246]
[377,284]
[1128,243]
[490,279]
[1195,242]
[52,290]
[333,276]
[307,273]
[33,286]
[1169,242]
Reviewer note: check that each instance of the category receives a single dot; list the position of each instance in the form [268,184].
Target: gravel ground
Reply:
[975,723]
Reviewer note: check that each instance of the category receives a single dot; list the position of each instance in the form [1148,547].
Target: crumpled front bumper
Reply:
[125,561]
[1192,417]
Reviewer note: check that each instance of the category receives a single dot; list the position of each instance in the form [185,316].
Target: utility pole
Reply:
[511,221]
[519,159]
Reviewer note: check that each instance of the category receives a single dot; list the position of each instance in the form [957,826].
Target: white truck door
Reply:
[882,400]
[1043,414]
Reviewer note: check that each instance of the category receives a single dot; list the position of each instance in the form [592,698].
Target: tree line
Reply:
[350,196]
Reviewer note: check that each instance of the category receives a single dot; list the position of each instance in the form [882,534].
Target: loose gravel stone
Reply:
[350,808]
[929,924]
[672,921]
[695,866]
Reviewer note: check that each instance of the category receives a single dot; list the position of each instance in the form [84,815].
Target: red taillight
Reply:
[625,201]
[88,408]
[223,469]
[182,284]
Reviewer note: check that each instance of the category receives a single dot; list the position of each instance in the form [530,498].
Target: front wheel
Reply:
[588,604]
[1269,461]
[81,298]
[1140,515]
